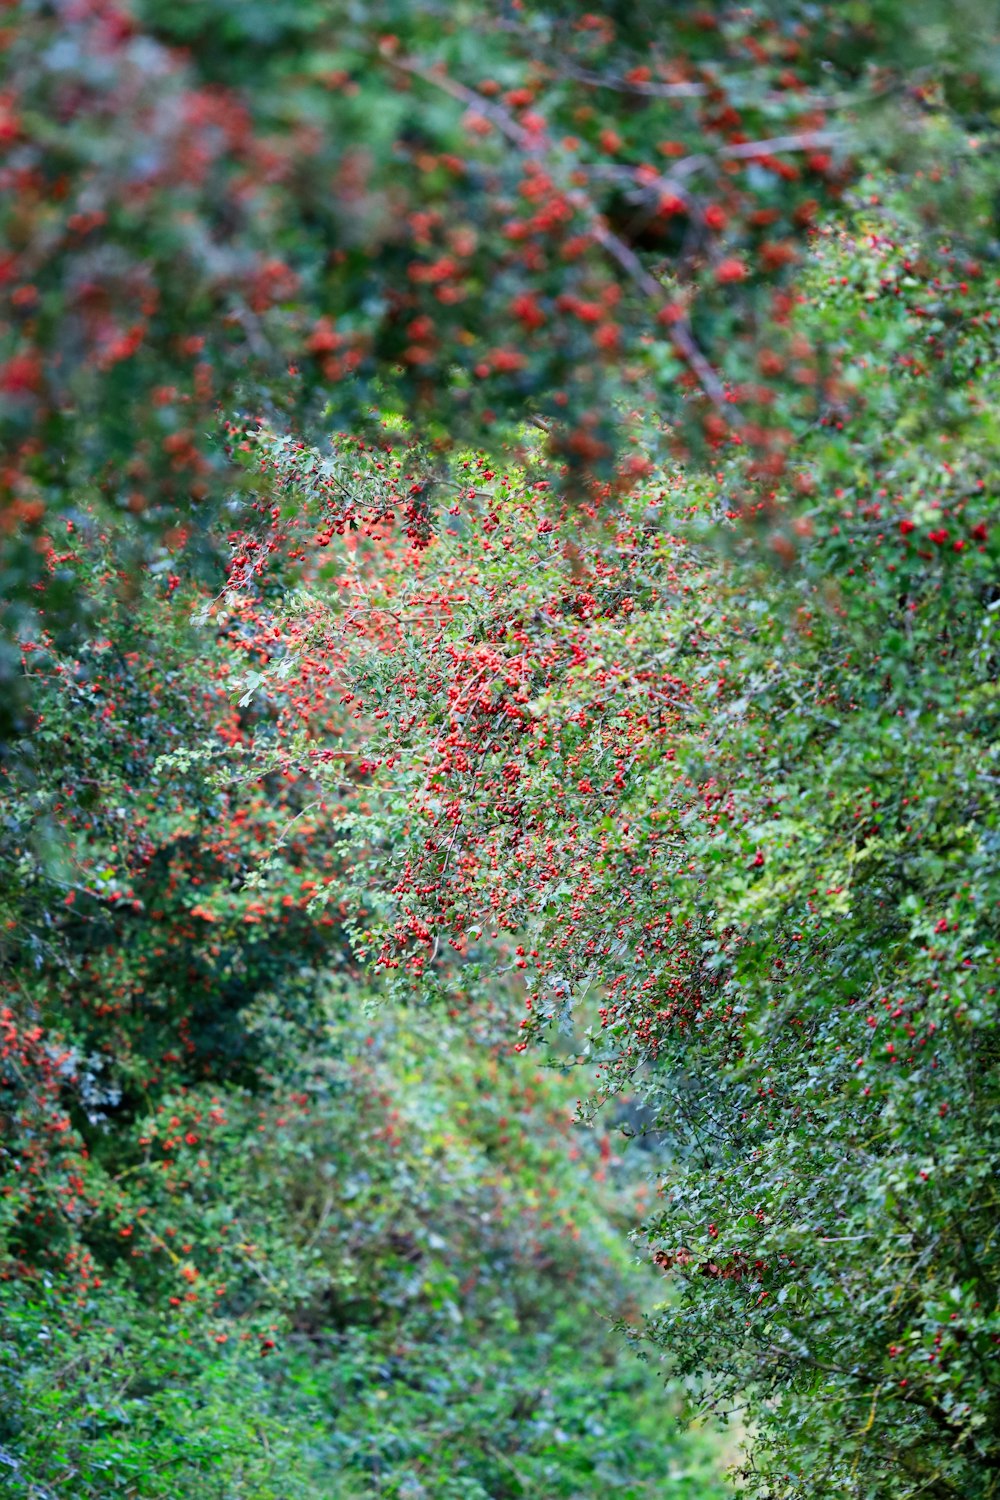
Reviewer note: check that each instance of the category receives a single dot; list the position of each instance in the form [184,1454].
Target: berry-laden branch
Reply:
[533,144]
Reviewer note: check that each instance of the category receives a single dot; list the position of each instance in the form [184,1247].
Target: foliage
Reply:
[616,687]
[416,1267]
[294,210]
[717,778]
[256,1237]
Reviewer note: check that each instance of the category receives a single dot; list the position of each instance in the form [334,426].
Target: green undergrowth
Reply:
[391,1272]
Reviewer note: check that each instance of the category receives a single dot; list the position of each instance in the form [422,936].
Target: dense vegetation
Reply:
[499,840]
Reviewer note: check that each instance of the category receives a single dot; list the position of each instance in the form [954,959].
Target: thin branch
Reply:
[807,140]
[524,139]
[623,86]
[680,331]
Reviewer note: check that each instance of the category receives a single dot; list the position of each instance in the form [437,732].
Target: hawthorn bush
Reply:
[712,778]
[258,1238]
[499,558]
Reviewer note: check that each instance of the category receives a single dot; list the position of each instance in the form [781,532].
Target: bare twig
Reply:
[649,90]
